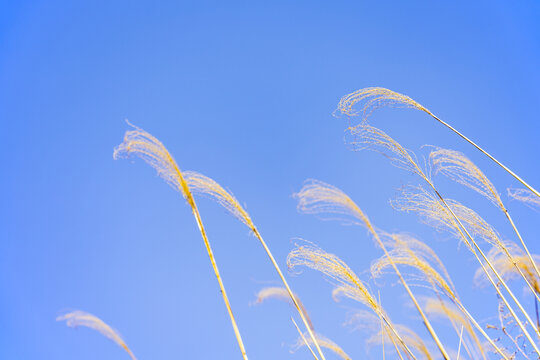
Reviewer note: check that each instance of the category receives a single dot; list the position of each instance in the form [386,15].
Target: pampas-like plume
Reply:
[506,267]
[430,210]
[369,137]
[437,307]
[402,253]
[81,318]
[525,196]
[332,266]
[200,184]
[459,168]
[203,185]
[403,159]
[373,98]
[362,320]
[418,200]
[345,279]
[282,294]
[450,215]
[317,197]
[140,143]
[324,342]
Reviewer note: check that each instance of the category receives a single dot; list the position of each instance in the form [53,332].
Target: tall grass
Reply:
[417,266]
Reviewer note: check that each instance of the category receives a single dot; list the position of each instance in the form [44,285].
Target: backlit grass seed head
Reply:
[200,184]
[506,269]
[81,318]
[461,169]
[418,200]
[317,197]
[370,323]
[439,308]
[369,137]
[140,143]
[282,294]
[323,342]
[370,99]
[329,264]
[432,212]
[526,196]
[410,252]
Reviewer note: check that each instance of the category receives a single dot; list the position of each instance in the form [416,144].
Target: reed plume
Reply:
[461,169]
[344,278]
[438,308]
[282,294]
[509,270]
[402,253]
[452,216]
[80,318]
[304,340]
[317,197]
[372,138]
[145,146]
[408,251]
[365,321]
[402,158]
[372,98]
[205,186]
[525,196]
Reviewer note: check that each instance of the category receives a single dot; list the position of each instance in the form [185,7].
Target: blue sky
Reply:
[243,93]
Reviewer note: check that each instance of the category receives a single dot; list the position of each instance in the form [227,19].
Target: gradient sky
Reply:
[242,92]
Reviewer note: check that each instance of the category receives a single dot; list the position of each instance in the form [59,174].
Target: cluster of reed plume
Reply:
[412,260]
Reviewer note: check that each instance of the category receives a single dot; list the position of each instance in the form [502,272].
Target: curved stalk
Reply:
[487,154]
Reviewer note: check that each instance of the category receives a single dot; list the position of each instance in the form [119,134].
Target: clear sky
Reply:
[242,92]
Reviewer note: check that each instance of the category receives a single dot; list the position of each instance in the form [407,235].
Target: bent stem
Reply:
[485,153]
[304,338]
[526,250]
[218,277]
[425,320]
[462,229]
[293,298]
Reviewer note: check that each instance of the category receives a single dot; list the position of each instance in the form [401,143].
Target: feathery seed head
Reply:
[526,196]
[329,264]
[282,294]
[317,197]
[200,184]
[140,143]
[81,318]
[323,342]
[461,169]
[369,137]
[373,98]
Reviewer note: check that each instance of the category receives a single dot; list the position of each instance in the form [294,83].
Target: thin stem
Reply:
[191,201]
[218,276]
[459,346]
[293,298]
[303,338]
[462,227]
[475,323]
[411,295]
[487,154]
[382,332]
[522,244]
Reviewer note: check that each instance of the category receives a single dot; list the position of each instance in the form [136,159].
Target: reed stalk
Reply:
[319,196]
[304,339]
[152,151]
[377,97]
[204,185]
[371,136]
